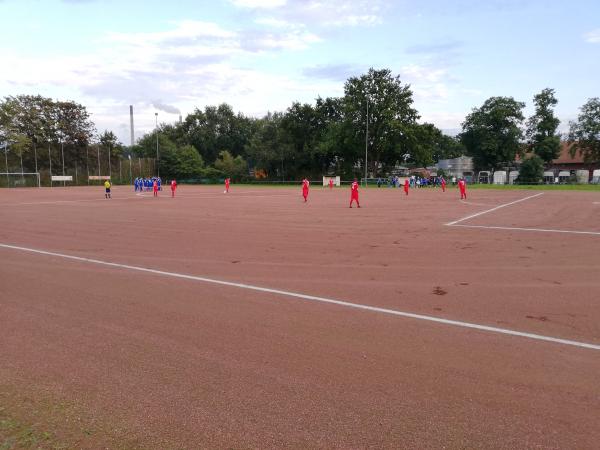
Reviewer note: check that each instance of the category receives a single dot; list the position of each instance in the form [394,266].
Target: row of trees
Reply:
[330,136]
[38,133]
[307,140]
[375,113]
[495,135]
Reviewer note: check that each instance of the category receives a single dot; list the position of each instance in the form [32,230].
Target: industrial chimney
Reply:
[131,124]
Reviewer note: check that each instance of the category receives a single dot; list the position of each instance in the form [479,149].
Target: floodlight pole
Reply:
[50,162]
[62,149]
[6,162]
[366,141]
[130,173]
[87,163]
[35,156]
[157,157]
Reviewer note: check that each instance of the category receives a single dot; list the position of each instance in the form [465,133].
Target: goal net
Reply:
[31,179]
[336,180]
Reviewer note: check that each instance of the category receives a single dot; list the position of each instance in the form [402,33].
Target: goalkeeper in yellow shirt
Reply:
[107,188]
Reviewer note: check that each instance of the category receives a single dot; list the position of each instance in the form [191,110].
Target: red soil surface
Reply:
[184,364]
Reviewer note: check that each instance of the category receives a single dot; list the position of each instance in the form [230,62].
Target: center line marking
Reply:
[314,298]
[493,209]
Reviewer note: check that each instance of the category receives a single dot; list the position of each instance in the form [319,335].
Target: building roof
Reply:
[565,156]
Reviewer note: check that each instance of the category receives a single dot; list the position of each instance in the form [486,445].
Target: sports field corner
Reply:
[255,320]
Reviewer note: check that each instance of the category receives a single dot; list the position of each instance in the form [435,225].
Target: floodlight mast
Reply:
[62,151]
[130,176]
[367,142]
[6,162]
[157,157]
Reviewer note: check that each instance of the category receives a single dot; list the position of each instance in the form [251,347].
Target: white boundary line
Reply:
[464,202]
[235,195]
[57,202]
[313,298]
[138,195]
[545,230]
[493,209]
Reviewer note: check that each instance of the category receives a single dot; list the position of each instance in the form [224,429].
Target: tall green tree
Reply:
[423,140]
[333,147]
[176,161]
[182,163]
[448,147]
[109,142]
[541,127]
[34,121]
[391,116]
[492,134]
[270,148]
[215,128]
[427,145]
[584,134]
[74,131]
[300,124]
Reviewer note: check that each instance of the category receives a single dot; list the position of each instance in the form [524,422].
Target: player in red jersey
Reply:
[173,187]
[155,188]
[330,183]
[227,182]
[462,185]
[406,186]
[354,193]
[305,184]
[443,183]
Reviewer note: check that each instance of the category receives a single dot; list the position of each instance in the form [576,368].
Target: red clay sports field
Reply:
[254,320]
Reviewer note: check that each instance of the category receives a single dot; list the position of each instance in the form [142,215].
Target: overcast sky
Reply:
[259,56]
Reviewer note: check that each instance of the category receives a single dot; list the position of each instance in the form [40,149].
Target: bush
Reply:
[212,173]
[235,168]
[531,171]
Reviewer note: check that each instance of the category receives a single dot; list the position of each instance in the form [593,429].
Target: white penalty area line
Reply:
[312,298]
[493,209]
[541,230]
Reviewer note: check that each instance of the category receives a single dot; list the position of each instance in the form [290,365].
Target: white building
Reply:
[457,167]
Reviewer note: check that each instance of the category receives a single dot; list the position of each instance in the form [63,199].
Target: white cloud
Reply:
[343,12]
[593,36]
[423,73]
[289,36]
[272,22]
[189,65]
[354,20]
[319,13]
[444,120]
[256,4]
[186,29]
[427,83]
[293,40]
